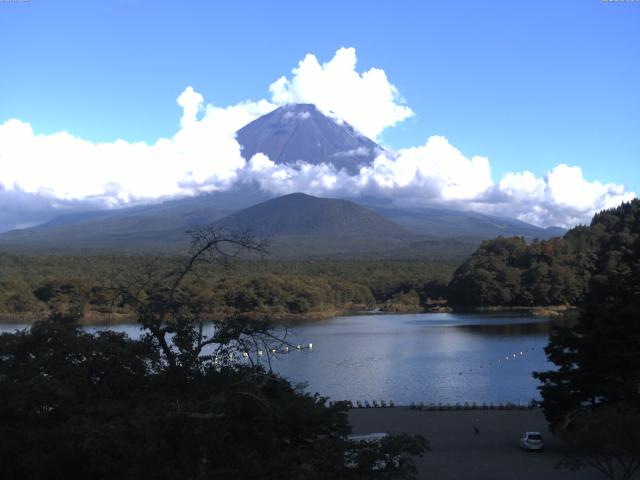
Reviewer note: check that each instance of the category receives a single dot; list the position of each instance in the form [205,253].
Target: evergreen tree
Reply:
[593,398]
[598,359]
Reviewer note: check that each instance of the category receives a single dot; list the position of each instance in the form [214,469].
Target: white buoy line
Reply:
[274,351]
[503,360]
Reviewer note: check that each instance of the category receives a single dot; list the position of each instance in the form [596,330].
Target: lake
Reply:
[430,357]
[434,357]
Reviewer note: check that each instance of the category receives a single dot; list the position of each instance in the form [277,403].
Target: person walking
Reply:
[476,429]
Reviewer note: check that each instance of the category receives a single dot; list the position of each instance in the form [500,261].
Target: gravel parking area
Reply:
[457,452]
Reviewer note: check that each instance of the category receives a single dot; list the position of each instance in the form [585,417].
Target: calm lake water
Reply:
[433,357]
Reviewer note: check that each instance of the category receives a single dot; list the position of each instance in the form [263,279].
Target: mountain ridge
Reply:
[305,223]
[299,131]
[302,214]
[298,225]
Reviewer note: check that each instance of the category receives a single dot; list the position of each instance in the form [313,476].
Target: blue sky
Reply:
[528,84]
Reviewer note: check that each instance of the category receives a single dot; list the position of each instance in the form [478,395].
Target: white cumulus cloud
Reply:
[562,197]
[41,175]
[368,101]
[191,103]
[202,155]
[437,173]
[435,170]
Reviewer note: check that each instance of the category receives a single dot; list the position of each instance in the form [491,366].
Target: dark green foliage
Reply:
[291,294]
[176,404]
[597,381]
[598,359]
[69,400]
[490,276]
[29,285]
[102,406]
[403,302]
[371,459]
[510,272]
[607,439]
[17,296]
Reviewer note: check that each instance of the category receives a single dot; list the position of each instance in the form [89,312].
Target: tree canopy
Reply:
[510,272]
[598,358]
[288,290]
[597,380]
[181,402]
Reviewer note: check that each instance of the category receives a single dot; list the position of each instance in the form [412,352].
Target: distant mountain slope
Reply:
[150,225]
[302,226]
[164,225]
[442,222]
[301,214]
[301,132]
[298,225]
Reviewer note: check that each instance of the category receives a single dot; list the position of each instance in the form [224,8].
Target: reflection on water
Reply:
[441,357]
[434,357]
[517,329]
[529,326]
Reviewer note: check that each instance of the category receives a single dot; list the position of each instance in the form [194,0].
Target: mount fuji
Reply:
[298,223]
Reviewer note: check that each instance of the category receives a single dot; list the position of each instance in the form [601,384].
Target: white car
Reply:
[531,441]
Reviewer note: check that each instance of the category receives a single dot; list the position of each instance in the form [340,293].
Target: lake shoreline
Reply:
[292,319]
[537,310]
[101,319]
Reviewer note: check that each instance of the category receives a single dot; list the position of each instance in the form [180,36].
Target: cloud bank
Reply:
[41,175]
[437,173]
[367,101]
[203,154]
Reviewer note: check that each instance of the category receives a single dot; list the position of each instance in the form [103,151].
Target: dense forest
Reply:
[592,396]
[506,272]
[176,403]
[510,272]
[32,285]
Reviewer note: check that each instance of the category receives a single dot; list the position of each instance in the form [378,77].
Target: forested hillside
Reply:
[510,272]
[30,285]
[502,272]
